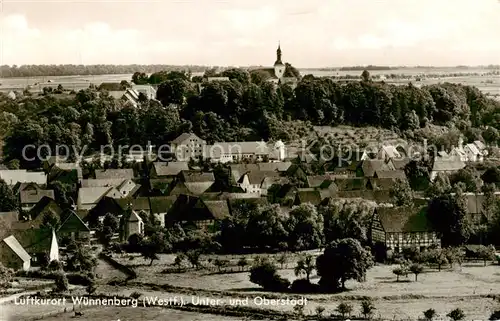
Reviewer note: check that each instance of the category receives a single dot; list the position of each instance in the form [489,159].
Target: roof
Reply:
[351,183]
[473,148]
[125,173]
[188,176]
[382,183]
[134,217]
[138,204]
[73,223]
[170,168]
[391,151]
[12,177]
[397,174]
[92,195]
[43,203]
[17,248]
[312,196]
[370,166]
[103,182]
[447,164]
[258,177]
[317,180]
[480,145]
[237,148]
[7,220]
[218,209]
[34,196]
[274,166]
[403,219]
[400,163]
[183,137]
[161,204]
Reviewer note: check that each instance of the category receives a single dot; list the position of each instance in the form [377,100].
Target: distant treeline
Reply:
[74,70]
[374,67]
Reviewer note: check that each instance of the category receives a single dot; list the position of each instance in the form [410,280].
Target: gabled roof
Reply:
[17,248]
[162,204]
[183,137]
[447,164]
[34,196]
[44,203]
[25,186]
[370,166]
[124,173]
[403,219]
[218,209]
[170,168]
[138,204]
[103,182]
[196,177]
[351,183]
[12,177]
[258,177]
[274,166]
[92,195]
[134,217]
[317,180]
[236,148]
[480,145]
[400,163]
[473,148]
[391,151]
[384,184]
[312,196]
[73,223]
[397,174]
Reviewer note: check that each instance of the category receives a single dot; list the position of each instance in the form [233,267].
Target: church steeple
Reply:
[278,55]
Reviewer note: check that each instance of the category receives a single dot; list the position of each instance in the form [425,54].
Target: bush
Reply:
[84,279]
[61,282]
[304,286]
[265,275]
[135,295]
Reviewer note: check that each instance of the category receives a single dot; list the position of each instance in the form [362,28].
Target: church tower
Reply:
[279,67]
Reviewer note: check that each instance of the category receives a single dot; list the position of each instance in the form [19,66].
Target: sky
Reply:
[312,33]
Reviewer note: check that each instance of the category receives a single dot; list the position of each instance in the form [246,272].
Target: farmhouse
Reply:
[446,165]
[402,227]
[188,146]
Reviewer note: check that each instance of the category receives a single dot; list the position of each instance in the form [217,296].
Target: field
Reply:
[471,287]
[488,84]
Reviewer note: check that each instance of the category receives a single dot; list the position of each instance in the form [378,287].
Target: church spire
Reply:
[278,55]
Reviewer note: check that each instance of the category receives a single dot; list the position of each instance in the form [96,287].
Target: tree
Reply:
[266,228]
[8,202]
[429,314]
[448,214]
[486,253]
[193,257]
[61,282]
[401,193]
[220,264]
[365,76]
[342,260]
[6,275]
[456,314]
[416,269]
[178,261]
[79,258]
[265,274]
[469,177]
[495,315]
[282,259]
[151,246]
[305,265]
[91,287]
[491,176]
[305,227]
[399,272]
[367,308]
[345,309]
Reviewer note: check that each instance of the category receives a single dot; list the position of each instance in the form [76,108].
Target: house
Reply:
[481,147]
[147,90]
[389,152]
[88,197]
[46,206]
[317,181]
[225,152]
[30,194]
[446,165]
[192,183]
[14,176]
[125,173]
[188,146]
[402,227]
[196,212]
[133,225]
[167,170]
[314,196]
[126,187]
[258,181]
[210,79]
[73,228]
[370,166]
[473,153]
[13,255]
[238,170]
[67,173]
